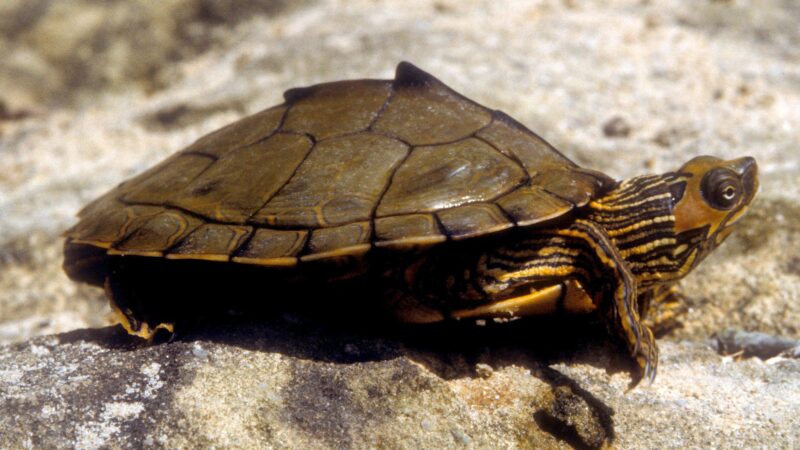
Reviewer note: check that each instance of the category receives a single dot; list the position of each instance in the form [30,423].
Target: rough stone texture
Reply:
[680,77]
[288,384]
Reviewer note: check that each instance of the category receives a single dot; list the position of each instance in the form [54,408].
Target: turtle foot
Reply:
[645,353]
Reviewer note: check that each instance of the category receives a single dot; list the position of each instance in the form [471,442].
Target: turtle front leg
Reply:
[621,285]
[662,309]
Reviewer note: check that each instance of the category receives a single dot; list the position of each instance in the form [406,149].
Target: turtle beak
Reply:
[747,169]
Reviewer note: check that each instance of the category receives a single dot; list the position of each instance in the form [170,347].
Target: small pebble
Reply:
[484,370]
[426,424]
[617,127]
[199,352]
[460,436]
[761,345]
[667,138]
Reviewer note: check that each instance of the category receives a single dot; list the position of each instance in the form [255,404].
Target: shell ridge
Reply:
[409,75]
[294,94]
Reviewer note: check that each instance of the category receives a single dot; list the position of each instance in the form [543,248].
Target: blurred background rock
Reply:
[92,92]
[62,52]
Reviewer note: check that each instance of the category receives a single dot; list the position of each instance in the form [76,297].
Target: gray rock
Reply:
[280,385]
[749,344]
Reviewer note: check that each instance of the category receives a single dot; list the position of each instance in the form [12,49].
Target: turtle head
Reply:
[710,195]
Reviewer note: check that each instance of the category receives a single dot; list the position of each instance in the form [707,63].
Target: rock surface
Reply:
[295,384]
[624,86]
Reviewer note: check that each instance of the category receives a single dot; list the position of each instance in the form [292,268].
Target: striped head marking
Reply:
[711,195]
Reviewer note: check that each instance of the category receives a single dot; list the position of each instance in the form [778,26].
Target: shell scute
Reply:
[339,182]
[573,186]
[240,183]
[104,227]
[408,230]
[241,133]
[473,220]
[156,234]
[445,176]
[268,247]
[161,185]
[334,109]
[512,138]
[530,205]
[210,241]
[424,111]
[343,240]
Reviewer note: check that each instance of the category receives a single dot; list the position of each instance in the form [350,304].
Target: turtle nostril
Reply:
[745,165]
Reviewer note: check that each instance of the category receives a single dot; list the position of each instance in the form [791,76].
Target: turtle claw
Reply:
[645,352]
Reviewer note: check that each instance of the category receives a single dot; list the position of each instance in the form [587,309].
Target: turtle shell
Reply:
[338,169]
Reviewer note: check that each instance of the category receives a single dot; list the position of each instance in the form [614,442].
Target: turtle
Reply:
[445,209]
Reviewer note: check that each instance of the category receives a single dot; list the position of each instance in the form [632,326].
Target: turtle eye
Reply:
[721,188]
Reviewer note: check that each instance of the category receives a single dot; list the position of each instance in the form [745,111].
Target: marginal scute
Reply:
[241,133]
[571,185]
[212,242]
[333,109]
[157,234]
[530,205]
[445,176]
[473,220]
[103,227]
[408,230]
[340,182]
[269,247]
[345,240]
[239,183]
[161,185]
[512,138]
[423,111]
